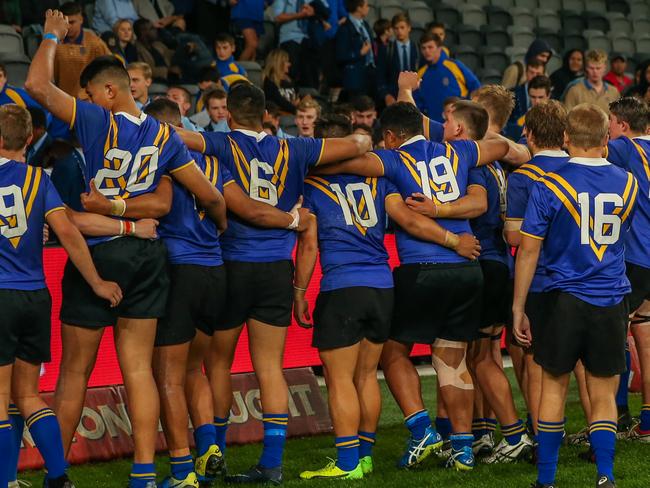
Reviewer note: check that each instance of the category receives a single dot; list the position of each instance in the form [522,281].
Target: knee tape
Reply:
[457,376]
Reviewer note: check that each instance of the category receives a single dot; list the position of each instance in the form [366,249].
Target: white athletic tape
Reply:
[448,375]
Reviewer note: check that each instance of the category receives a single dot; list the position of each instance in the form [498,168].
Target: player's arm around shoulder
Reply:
[506,150]
[306,255]
[340,149]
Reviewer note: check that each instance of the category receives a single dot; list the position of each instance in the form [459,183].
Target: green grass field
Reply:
[632,459]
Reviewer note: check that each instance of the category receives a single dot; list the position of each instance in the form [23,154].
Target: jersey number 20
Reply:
[602,235]
[134,183]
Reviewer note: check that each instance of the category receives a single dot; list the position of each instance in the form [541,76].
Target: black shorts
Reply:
[25,326]
[496,299]
[640,280]
[437,301]
[577,330]
[197,298]
[345,316]
[139,266]
[258,291]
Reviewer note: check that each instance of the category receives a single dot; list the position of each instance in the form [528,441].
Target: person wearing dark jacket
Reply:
[277,85]
[640,89]
[572,68]
[515,74]
[354,50]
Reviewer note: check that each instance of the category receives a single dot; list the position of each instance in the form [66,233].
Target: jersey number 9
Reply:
[606,227]
[14,219]
[442,175]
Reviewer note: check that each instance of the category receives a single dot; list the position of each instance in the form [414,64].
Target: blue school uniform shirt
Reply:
[582,212]
[439,171]
[269,170]
[351,217]
[27,197]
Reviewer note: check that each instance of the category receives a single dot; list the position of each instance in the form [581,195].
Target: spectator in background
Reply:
[125,42]
[183,99]
[13,94]
[276,82]
[354,51]
[209,79]
[107,12]
[331,73]
[68,165]
[308,110]
[152,51]
[534,68]
[248,16]
[383,35]
[365,112]
[616,76]
[399,55]
[640,88]
[79,48]
[515,74]
[215,102]
[538,90]
[438,28]
[272,117]
[211,18]
[572,68]
[33,11]
[141,79]
[11,14]
[592,88]
[41,140]
[441,77]
[161,13]
[229,69]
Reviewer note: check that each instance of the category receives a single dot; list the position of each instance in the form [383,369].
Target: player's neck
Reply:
[126,105]
[631,135]
[593,152]
[255,128]
[494,128]
[534,150]
[13,155]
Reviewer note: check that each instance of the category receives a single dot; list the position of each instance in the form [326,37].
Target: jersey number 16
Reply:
[606,227]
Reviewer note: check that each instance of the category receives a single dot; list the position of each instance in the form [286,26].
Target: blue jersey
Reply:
[26,198]
[488,228]
[582,212]
[351,218]
[190,236]
[126,155]
[439,171]
[520,183]
[269,170]
[632,155]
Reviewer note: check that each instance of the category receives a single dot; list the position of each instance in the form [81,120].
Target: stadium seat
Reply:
[452,35]
[551,36]
[553,64]
[523,17]
[631,64]
[529,4]
[552,5]
[596,20]
[521,36]
[447,14]
[641,57]
[639,10]
[495,36]
[478,3]
[548,19]
[267,40]
[618,23]
[618,6]
[32,37]
[157,90]
[469,35]
[473,15]
[17,65]
[419,13]
[575,5]
[574,41]
[572,21]
[498,16]
[507,4]
[640,25]
[373,15]
[599,6]
[416,33]
[623,43]
[516,53]
[388,11]
[643,43]
[600,42]
[253,70]
[495,58]
[469,57]
[10,40]
[386,3]
[490,76]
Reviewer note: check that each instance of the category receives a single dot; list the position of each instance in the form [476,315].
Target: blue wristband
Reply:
[51,36]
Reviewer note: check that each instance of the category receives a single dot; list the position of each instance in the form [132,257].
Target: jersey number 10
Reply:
[348,199]
[607,227]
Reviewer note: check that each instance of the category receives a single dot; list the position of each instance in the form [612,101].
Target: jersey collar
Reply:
[413,139]
[135,120]
[552,153]
[4,161]
[643,138]
[590,161]
[258,136]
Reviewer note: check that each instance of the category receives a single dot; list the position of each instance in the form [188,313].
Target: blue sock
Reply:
[418,423]
[17,427]
[275,436]
[141,474]
[366,441]
[181,466]
[478,428]
[461,440]
[6,440]
[621,393]
[347,452]
[490,425]
[513,433]
[221,424]
[645,417]
[443,426]
[550,438]
[46,433]
[602,437]
[204,436]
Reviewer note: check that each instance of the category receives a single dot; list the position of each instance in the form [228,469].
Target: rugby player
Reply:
[579,214]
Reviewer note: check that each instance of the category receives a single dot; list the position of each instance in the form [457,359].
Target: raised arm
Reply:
[407,83]
[470,206]
[339,149]
[306,254]
[39,82]
[525,266]
[366,165]
[206,195]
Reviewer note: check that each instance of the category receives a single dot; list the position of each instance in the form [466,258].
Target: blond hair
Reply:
[587,126]
[308,102]
[595,56]
[15,127]
[274,66]
[144,68]
[498,101]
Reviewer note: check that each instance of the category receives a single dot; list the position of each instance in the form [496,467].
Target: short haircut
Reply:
[352,5]
[363,127]
[186,93]
[105,68]
[246,104]
[223,37]
[535,63]
[144,68]
[15,127]
[273,109]
[71,8]
[436,25]
[332,125]
[587,126]
[363,103]
[308,102]
[541,81]
[400,17]
[271,127]
[39,119]
[209,73]
[429,37]
[595,56]
[380,27]
[403,119]
[498,101]
[449,101]
[140,24]
[632,110]
[3,69]
[547,122]
[216,93]
[342,108]
[164,110]
[474,118]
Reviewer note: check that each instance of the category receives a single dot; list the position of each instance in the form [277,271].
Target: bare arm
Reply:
[407,83]
[366,165]
[193,140]
[492,149]
[339,149]
[306,254]
[511,232]
[468,207]
[39,82]
[90,224]
[211,199]
[517,154]
[524,271]
[75,245]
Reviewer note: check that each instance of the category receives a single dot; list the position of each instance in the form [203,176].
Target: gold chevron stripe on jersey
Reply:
[29,191]
[281,167]
[323,185]
[411,165]
[644,158]
[243,168]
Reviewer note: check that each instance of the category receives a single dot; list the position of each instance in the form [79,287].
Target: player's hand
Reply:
[468,246]
[146,229]
[56,23]
[95,202]
[108,290]
[420,203]
[305,219]
[408,80]
[521,328]
[301,310]
[46,233]
[308,10]
[389,99]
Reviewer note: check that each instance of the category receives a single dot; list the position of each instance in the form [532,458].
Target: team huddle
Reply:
[189,236]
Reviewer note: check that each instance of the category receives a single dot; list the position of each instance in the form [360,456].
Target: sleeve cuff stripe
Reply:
[189,163]
[531,235]
[52,210]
